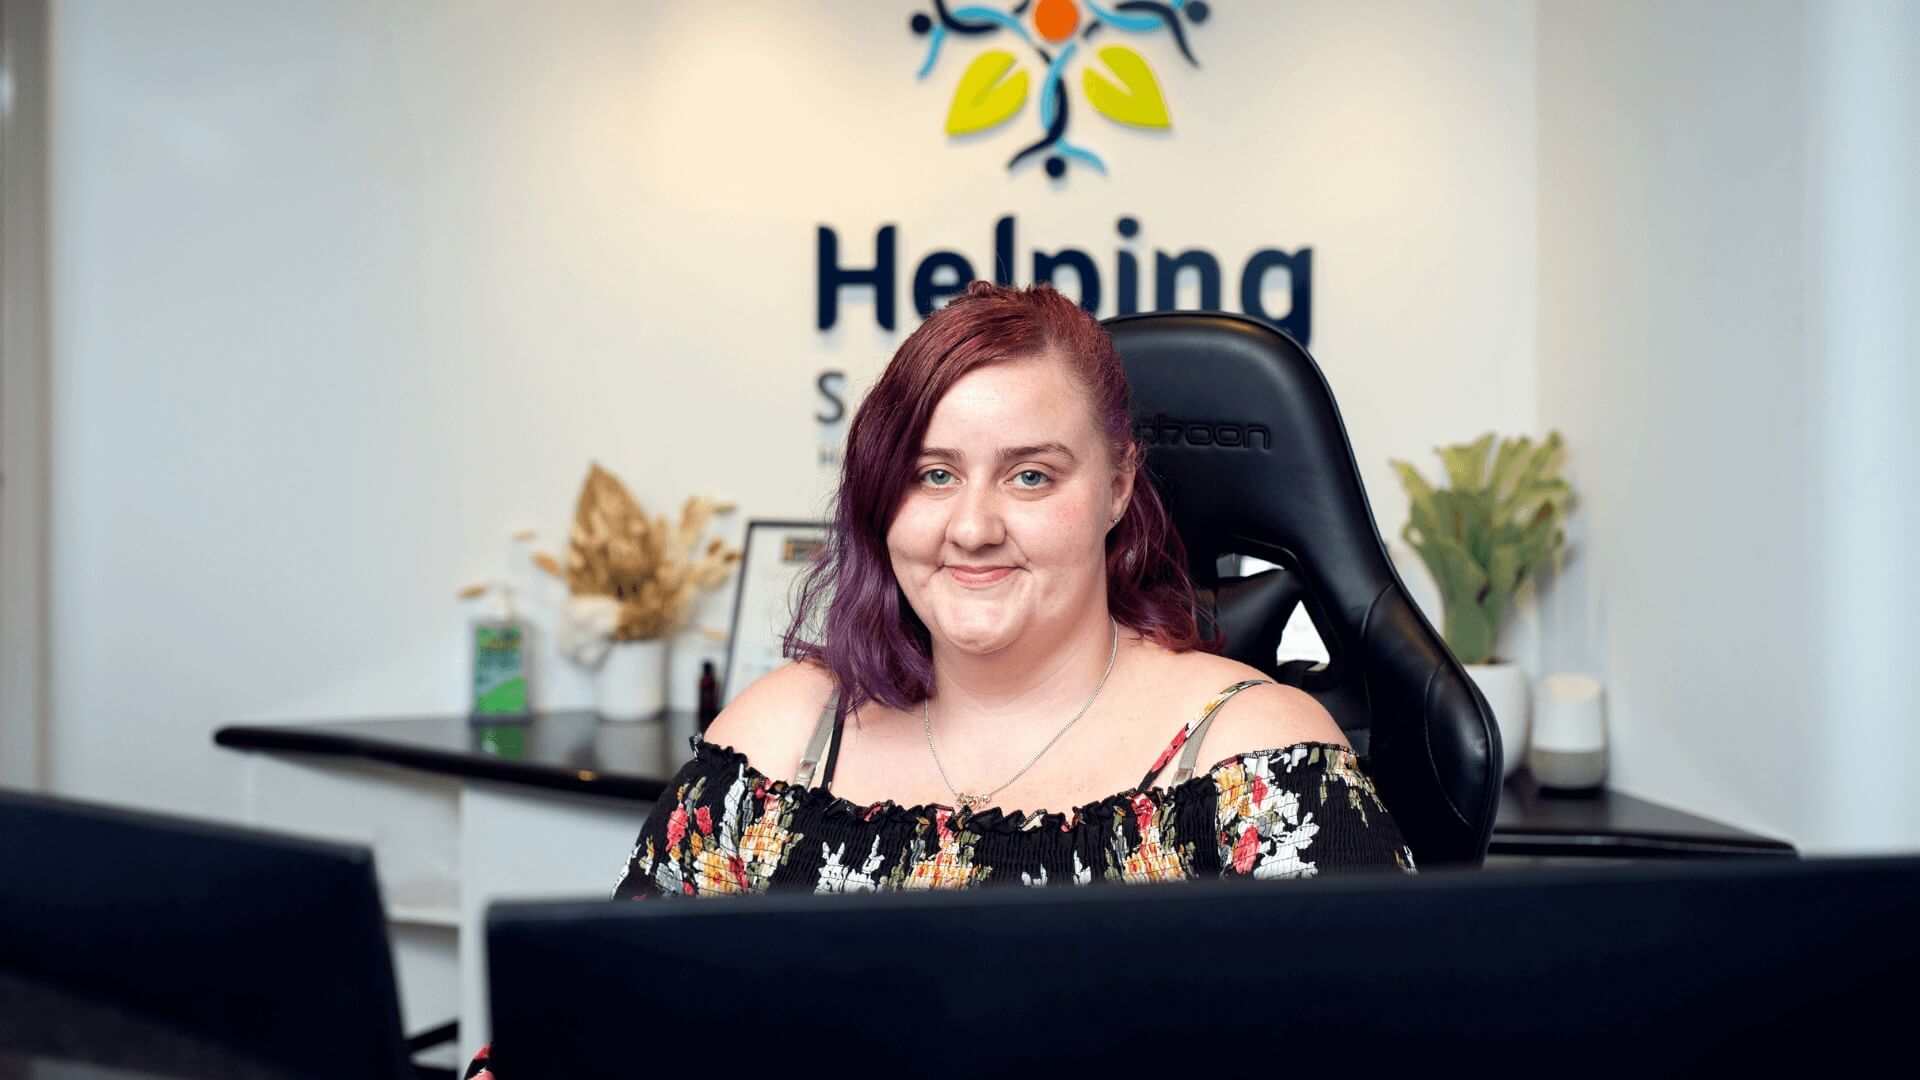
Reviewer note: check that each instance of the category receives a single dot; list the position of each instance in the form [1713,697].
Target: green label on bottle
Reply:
[499,671]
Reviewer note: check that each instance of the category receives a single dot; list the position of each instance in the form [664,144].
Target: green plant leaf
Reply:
[1504,571]
[1460,576]
[1477,530]
[1538,469]
[1422,521]
[1469,634]
[1416,485]
[982,100]
[1461,582]
[1506,463]
[1466,464]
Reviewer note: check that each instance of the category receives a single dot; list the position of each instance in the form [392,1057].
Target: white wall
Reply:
[1863,299]
[1727,270]
[344,292]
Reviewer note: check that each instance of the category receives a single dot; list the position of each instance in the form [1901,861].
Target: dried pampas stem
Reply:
[648,565]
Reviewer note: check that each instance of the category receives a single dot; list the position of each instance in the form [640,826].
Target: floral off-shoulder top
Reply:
[723,827]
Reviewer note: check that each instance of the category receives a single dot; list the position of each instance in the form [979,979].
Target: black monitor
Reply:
[163,944]
[1661,968]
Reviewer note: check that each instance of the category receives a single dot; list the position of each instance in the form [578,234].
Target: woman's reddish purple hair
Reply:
[851,615]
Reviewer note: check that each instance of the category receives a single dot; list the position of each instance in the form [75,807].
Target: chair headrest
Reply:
[1247,449]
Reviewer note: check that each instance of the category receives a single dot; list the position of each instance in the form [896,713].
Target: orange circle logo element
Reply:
[1056,19]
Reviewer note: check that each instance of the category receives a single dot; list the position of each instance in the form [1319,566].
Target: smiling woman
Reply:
[992,539]
[1000,633]
[998,438]
[1008,637]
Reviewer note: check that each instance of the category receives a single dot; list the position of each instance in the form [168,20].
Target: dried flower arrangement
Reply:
[634,578]
[498,586]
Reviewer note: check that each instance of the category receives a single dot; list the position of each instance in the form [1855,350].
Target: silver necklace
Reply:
[970,801]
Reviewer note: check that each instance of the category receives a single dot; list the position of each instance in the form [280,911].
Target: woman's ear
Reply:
[1122,489]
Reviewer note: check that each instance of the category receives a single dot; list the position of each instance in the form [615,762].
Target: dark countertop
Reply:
[577,752]
[1536,821]
[565,751]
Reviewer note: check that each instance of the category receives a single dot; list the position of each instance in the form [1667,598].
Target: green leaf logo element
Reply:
[1136,100]
[982,100]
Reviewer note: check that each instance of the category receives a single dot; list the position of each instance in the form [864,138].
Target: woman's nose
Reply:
[976,519]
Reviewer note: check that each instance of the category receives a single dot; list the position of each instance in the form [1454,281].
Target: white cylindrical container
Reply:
[1569,747]
[1504,686]
[632,681]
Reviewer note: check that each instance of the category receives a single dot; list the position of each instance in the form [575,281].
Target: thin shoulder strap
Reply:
[833,748]
[823,732]
[1191,754]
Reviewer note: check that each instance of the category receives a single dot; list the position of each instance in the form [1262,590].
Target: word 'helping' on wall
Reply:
[941,274]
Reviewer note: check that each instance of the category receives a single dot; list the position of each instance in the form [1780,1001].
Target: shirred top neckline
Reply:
[993,818]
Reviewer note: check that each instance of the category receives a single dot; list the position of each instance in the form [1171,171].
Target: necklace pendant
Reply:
[970,802]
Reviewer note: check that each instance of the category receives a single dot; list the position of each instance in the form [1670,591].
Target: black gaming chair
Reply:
[1245,444]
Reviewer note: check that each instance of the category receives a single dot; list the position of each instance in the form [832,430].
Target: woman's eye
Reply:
[1031,478]
[937,477]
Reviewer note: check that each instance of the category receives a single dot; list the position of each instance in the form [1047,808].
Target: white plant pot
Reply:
[1504,686]
[632,681]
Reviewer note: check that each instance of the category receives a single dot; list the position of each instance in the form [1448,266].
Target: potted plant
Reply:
[1483,536]
[633,581]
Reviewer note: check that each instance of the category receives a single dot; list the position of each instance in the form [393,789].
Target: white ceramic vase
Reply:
[1504,686]
[631,683]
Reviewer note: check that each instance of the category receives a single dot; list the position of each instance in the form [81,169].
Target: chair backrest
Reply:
[1246,446]
[272,947]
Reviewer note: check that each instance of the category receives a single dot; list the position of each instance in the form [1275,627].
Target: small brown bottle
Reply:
[709,696]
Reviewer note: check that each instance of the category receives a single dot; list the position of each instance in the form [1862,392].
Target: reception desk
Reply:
[460,814]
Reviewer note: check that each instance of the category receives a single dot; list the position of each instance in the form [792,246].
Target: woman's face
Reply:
[1001,537]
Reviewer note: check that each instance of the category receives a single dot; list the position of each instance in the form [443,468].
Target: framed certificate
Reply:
[773,559]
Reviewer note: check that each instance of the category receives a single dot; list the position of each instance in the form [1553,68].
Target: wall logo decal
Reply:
[1059,38]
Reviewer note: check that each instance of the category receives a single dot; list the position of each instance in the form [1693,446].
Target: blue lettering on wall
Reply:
[1166,278]
[928,292]
[1298,322]
[833,277]
[941,274]
[833,406]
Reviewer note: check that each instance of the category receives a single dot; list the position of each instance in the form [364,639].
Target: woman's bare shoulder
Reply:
[1258,717]
[770,720]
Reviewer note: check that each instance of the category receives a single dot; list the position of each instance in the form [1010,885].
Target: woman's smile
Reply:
[977,577]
